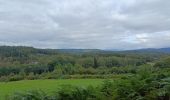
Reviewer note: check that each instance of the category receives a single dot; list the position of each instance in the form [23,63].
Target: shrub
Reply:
[29,95]
[15,78]
[68,92]
[32,76]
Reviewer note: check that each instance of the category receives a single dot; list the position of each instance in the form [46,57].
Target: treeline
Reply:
[60,65]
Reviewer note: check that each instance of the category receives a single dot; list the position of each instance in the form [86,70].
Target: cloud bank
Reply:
[102,24]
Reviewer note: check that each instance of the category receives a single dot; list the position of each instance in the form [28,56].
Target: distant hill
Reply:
[166,50]
[78,50]
[21,51]
[152,50]
[24,51]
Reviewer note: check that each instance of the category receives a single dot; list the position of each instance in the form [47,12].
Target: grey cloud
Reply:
[103,24]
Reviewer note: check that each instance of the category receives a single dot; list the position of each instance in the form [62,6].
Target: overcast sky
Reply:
[101,24]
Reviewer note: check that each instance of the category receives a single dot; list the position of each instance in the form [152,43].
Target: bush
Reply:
[107,90]
[139,87]
[29,95]
[31,76]
[16,78]
[3,78]
[68,92]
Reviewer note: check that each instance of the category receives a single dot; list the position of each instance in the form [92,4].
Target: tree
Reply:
[95,63]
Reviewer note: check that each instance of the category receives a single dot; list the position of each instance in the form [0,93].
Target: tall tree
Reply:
[95,63]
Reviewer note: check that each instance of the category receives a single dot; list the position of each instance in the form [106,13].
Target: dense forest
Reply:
[140,74]
[50,63]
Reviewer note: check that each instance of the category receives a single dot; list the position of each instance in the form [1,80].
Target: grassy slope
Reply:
[46,85]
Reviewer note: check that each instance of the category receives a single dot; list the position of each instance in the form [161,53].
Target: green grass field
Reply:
[45,85]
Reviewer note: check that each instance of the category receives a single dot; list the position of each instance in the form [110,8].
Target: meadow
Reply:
[7,88]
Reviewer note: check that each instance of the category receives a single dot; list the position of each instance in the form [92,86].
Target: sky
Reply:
[85,24]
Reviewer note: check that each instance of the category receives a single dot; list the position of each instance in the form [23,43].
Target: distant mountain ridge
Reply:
[161,50]
[78,50]
[24,50]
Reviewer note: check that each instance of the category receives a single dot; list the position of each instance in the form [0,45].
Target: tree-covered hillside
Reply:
[16,60]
